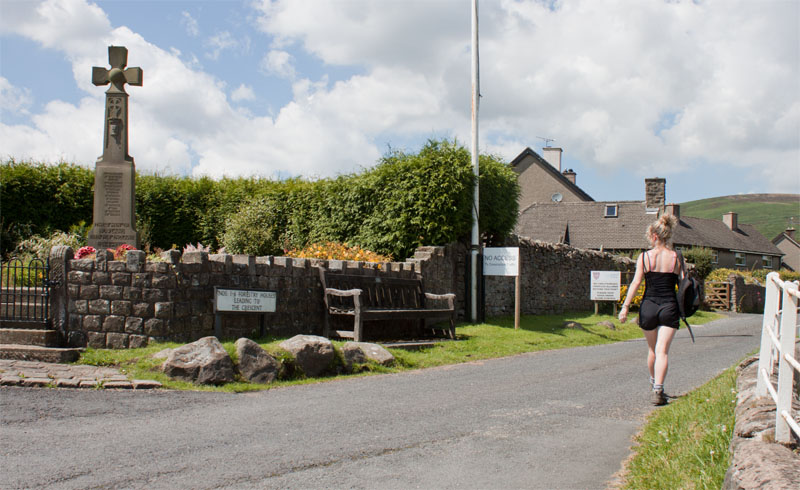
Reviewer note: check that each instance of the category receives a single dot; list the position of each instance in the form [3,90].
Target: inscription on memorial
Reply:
[112,182]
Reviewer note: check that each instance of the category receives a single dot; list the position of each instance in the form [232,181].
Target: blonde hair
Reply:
[662,228]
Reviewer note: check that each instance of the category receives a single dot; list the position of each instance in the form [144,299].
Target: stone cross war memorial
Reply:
[114,220]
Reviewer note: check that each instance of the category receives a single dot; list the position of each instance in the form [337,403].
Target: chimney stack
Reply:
[731,220]
[552,156]
[674,209]
[569,174]
[655,193]
[790,233]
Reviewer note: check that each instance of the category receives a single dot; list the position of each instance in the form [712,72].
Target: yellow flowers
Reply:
[637,299]
[337,251]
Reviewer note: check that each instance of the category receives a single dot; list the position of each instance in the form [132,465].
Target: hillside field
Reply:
[769,213]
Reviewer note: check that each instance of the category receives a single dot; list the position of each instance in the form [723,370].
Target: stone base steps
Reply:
[39,353]
[30,336]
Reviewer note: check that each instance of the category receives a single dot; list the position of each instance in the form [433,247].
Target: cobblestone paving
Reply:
[33,373]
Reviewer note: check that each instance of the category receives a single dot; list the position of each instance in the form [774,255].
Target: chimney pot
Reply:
[569,174]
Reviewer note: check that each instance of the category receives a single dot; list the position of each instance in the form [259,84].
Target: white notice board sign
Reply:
[245,300]
[501,261]
[605,285]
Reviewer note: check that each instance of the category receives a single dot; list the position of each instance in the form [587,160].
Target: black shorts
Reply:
[655,312]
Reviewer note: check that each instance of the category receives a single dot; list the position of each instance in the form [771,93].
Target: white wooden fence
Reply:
[778,336]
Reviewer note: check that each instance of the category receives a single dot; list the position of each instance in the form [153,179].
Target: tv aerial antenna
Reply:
[547,141]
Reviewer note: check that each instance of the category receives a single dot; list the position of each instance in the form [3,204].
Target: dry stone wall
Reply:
[125,304]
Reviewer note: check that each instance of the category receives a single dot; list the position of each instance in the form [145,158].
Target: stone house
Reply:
[554,209]
[787,243]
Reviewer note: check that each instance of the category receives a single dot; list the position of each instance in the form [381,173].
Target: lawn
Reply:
[496,338]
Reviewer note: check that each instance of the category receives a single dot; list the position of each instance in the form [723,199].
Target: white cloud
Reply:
[223,41]
[190,24]
[642,87]
[279,63]
[13,98]
[243,93]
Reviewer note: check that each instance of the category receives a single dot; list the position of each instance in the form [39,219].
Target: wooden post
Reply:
[596,307]
[516,302]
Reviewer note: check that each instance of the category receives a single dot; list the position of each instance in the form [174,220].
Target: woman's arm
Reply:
[637,281]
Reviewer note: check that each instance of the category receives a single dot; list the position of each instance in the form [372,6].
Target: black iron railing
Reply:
[25,290]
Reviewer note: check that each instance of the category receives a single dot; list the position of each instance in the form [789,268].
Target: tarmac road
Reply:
[548,420]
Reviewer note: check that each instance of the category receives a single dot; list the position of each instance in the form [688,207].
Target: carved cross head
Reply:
[117,76]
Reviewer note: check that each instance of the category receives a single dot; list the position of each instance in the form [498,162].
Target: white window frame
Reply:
[715,256]
[614,207]
[766,261]
[743,256]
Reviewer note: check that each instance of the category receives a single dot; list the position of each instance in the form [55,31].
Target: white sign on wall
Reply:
[605,285]
[501,261]
[243,300]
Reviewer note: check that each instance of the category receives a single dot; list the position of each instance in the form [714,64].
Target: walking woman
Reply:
[659,315]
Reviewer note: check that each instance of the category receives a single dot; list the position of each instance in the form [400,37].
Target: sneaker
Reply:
[659,398]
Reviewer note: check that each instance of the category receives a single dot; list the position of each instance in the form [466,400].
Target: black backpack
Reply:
[689,294]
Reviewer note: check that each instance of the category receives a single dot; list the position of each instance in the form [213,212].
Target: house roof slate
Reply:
[583,225]
[551,170]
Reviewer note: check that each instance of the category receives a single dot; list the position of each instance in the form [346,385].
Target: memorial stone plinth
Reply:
[114,221]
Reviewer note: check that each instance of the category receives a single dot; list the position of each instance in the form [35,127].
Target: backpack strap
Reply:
[679,256]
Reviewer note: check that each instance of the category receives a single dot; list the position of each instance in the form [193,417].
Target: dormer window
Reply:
[611,211]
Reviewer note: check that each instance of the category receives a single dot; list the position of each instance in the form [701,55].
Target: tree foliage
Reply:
[406,200]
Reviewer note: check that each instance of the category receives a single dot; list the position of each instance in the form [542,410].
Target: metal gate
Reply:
[25,293]
[718,295]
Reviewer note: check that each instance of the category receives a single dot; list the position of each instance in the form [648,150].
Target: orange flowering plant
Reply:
[337,251]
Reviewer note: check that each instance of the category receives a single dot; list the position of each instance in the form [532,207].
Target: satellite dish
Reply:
[557,197]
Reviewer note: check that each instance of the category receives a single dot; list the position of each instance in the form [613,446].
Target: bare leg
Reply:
[665,336]
[652,339]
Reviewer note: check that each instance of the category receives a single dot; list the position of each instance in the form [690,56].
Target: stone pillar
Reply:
[60,256]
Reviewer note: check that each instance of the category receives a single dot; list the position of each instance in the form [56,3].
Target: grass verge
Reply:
[685,444]
[497,338]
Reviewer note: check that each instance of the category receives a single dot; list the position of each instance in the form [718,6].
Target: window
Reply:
[766,261]
[741,259]
[611,211]
[715,257]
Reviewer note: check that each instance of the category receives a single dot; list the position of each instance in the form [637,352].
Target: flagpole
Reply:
[475,248]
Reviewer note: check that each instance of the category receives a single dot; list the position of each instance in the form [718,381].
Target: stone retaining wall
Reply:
[121,304]
[124,304]
[757,462]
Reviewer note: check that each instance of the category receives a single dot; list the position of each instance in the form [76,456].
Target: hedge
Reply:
[406,200]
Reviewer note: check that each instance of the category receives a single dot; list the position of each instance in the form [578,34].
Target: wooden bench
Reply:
[369,298]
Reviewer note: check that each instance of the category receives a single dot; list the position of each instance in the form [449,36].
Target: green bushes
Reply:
[38,199]
[702,259]
[406,200]
[751,277]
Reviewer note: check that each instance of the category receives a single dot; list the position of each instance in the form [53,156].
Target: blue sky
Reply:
[705,94]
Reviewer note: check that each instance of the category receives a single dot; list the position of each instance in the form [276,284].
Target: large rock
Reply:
[255,364]
[204,361]
[361,352]
[762,465]
[313,354]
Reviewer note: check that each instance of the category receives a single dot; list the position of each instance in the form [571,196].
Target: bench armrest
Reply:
[343,292]
[449,297]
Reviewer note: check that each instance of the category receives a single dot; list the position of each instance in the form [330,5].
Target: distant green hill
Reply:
[769,213]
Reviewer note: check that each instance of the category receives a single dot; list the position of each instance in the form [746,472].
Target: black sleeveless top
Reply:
[660,284]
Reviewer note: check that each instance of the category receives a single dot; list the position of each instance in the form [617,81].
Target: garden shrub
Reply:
[702,259]
[337,251]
